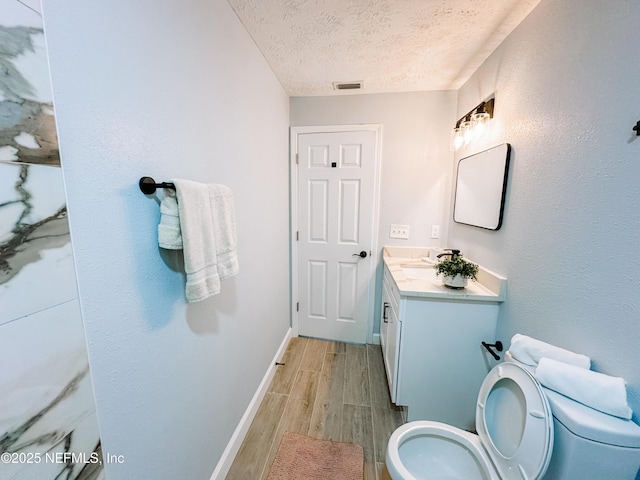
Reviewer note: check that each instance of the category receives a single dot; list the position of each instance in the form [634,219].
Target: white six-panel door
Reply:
[335,186]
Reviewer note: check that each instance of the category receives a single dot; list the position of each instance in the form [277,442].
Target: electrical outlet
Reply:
[435,231]
[399,231]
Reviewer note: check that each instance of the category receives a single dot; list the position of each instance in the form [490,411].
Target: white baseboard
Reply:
[376,339]
[229,454]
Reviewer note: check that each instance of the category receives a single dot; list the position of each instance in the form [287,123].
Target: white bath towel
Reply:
[529,351]
[169,233]
[207,222]
[596,390]
[224,226]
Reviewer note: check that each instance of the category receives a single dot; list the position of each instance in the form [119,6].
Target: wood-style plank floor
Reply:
[327,390]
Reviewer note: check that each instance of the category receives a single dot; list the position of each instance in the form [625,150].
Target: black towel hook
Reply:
[491,346]
[148,185]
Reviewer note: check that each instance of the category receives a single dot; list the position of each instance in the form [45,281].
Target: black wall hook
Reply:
[637,128]
[491,346]
[148,185]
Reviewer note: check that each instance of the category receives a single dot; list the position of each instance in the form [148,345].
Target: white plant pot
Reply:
[454,282]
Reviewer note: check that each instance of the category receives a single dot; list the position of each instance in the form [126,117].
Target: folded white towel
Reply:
[596,390]
[207,222]
[529,351]
[169,233]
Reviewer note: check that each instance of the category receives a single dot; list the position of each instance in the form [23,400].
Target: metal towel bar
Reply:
[491,346]
[148,185]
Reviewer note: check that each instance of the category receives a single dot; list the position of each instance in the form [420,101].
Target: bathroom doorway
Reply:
[334,203]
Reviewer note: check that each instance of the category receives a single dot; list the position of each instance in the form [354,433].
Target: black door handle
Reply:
[362,254]
[384,312]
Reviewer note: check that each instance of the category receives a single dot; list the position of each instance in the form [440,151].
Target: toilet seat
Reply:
[514,441]
[514,422]
[425,450]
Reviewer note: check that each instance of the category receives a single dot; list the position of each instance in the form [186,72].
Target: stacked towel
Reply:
[208,231]
[596,390]
[529,351]
[169,233]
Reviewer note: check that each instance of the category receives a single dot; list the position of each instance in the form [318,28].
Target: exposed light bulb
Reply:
[479,121]
[467,131]
[457,140]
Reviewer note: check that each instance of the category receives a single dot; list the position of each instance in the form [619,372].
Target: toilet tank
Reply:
[589,444]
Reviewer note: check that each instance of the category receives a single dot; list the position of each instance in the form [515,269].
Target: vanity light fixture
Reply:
[472,126]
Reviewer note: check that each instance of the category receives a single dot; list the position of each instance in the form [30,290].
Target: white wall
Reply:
[415,177]
[169,89]
[567,97]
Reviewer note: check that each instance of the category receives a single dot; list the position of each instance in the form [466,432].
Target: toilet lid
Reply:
[514,422]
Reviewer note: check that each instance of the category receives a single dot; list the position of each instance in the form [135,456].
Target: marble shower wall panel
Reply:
[84,442]
[45,387]
[47,408]
[27,122]
[36,261]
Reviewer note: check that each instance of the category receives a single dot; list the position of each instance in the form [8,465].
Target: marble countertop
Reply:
[403,262]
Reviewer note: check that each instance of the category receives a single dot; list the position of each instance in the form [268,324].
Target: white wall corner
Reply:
[230,452]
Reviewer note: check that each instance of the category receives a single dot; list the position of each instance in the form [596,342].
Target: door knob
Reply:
[362,254]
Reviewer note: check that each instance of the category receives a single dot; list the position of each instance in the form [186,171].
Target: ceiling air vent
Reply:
[347,85]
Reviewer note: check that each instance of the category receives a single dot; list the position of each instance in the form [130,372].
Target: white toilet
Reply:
[516,436]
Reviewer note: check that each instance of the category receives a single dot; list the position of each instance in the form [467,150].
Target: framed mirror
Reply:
[481,186]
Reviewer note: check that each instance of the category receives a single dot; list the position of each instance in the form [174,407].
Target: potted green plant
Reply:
[456,271]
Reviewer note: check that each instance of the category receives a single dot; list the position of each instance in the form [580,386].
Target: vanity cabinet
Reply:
[390,329]
[432,350]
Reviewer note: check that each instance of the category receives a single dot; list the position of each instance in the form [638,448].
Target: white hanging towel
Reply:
[529,351]
[596,390]
[208,227]
[224,228]
[169,233]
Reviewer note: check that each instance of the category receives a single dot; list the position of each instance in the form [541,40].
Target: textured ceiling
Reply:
[389,45]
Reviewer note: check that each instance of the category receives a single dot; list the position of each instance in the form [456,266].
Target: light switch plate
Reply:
[399,231]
